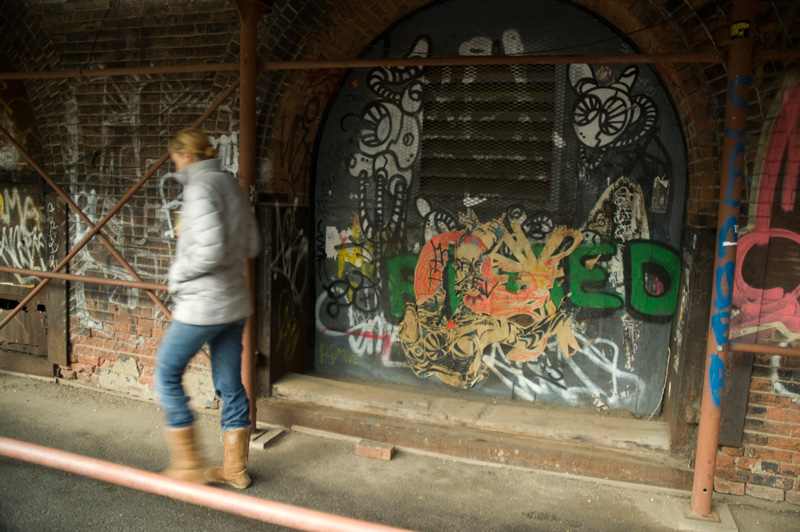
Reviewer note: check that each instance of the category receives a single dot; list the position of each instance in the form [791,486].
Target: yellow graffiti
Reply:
[330,354]
[353,255]
[740,29]
[1,204]
[288,330]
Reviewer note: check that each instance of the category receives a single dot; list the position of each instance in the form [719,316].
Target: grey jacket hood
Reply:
[218,230]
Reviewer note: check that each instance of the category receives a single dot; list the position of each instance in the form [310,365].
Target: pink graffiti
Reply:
[774,308]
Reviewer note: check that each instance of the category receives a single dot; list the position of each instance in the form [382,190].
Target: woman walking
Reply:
[217,232]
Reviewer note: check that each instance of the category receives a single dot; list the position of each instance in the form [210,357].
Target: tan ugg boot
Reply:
[234,466]
[185,461]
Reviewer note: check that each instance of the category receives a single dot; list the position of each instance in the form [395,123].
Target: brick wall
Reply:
[767,465]
[101,135]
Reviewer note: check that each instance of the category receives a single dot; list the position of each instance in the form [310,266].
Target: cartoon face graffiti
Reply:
[602,113]
[388,146]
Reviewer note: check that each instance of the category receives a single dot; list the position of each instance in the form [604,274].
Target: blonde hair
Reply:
[195,141]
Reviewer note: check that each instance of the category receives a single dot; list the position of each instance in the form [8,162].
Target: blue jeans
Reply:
[180,343]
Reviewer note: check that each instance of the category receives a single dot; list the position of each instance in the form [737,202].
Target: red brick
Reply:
[789,470]
[768,427]
[773,455]
[82,369]
[733,451]
[772,481]
[770,399]
[724,486]
[732,475]
[746,463]
[88,360]
[793,497]
[724,460]
[763,492]
[782,414]
[374,449]
[784,443]
[146,361]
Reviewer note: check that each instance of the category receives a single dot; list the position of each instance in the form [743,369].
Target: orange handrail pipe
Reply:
[218,499]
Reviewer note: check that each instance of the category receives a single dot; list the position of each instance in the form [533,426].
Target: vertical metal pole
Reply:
[250,12]
[740,56]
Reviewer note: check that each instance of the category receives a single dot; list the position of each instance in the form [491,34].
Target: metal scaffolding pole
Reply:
[218,499]
[84,278]
[732,176]
[250,12]
[764,349]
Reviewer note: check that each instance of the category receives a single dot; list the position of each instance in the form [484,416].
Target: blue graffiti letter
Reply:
[716,378]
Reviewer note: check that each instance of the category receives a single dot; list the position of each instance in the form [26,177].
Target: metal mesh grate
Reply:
[489,131]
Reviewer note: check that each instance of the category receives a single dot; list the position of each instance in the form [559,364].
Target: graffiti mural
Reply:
[511,231]
[767,301]
[496,298]
[23,232]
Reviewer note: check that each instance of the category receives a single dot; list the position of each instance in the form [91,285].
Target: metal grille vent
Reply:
[489,131]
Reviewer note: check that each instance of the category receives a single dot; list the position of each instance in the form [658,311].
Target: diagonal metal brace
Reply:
[95,228]
[72,205]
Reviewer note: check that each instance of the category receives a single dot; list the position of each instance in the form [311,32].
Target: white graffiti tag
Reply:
[22,242]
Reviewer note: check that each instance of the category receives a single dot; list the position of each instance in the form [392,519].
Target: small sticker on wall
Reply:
[740,29]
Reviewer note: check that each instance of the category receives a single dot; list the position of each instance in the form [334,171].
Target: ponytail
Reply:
[195,141]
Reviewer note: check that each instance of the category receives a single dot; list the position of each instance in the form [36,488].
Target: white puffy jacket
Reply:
[218,230]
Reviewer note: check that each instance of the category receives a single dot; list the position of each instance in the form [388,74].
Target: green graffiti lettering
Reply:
[453,297]
[588,287]
[653,272]
[401,282]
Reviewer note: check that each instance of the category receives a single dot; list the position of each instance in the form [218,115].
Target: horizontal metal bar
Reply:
[765,349]
[557,59]
[500,60]
[132,71]
[714,57]
[84,278]
[218,499]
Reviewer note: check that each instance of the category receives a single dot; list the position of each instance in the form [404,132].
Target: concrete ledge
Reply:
[545,439]
[533,420]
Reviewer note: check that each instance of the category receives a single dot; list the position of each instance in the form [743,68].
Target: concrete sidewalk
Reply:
[313,470]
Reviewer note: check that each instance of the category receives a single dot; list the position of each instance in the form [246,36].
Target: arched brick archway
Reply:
[379,228]
[344,32]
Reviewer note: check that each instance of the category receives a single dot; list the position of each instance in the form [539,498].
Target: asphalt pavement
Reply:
[413,491]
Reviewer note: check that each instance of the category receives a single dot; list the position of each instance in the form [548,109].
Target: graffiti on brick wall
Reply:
[768,299]
[784,382]
[297,127]
[115,166]
[121,158]
[288,271]
[23,241]
[500,294]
